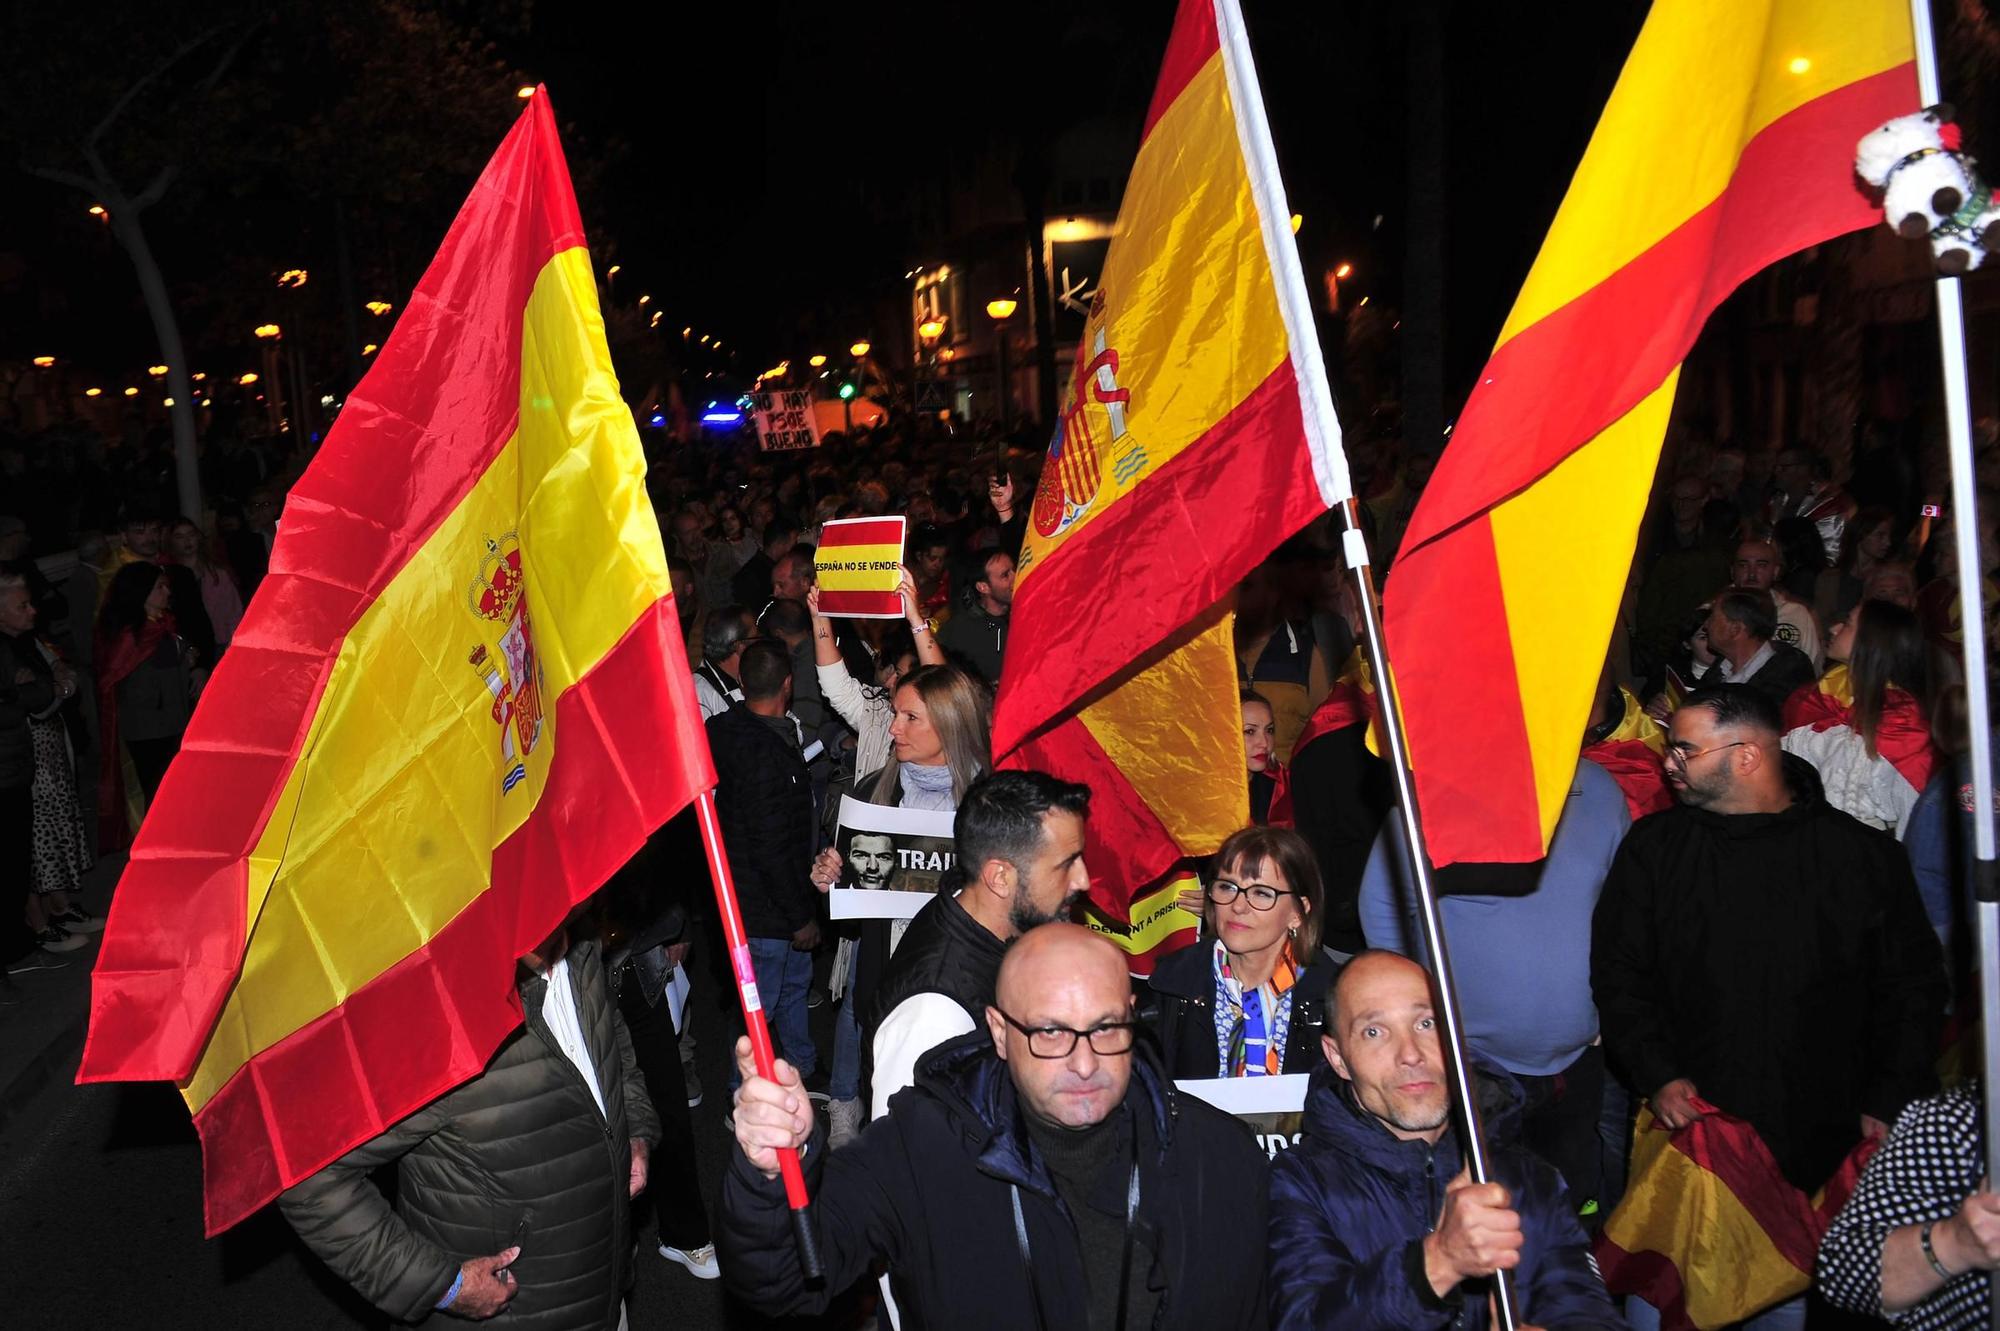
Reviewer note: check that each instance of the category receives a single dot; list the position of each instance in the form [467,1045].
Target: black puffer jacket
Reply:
[17,703]
[763,796]
[929,1190]
[1179,1004]
[521,1148]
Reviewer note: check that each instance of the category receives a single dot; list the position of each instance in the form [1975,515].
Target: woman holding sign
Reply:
[1247,1000]
[870,709]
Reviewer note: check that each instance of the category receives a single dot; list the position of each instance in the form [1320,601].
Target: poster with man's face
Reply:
[892,860]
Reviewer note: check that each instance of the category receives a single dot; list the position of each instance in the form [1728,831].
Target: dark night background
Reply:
[756,169]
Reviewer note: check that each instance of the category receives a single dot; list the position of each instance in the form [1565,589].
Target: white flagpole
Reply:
[1972,621]
[1322,428]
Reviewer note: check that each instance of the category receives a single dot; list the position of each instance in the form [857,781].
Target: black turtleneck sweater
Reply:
[1092,1169]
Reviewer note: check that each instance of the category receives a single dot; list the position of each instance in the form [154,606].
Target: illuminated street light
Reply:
[97,210]
[131,392]
[157,371]
[370,349]
[930,330]
[859,349]
[1003,308]
[292,277]
[1298,220]
[198,377]
[43,362]
[1344,272]
[815,361]
[525,91]
[704,339]
[685,331]
[644,299]
[267,330]
[378,308]
[614,270]
[247,379]
[166,402]
[657,316]
[93,392]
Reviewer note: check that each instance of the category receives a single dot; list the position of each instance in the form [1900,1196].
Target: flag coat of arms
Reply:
[1728,143]
[1196,433]
[458,702]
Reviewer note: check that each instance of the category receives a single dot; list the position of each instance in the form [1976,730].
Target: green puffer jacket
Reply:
[519,1148]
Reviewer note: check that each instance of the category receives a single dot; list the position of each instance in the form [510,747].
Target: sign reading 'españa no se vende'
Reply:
[857,567]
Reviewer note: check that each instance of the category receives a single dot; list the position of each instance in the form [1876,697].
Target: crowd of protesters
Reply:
[1754,904]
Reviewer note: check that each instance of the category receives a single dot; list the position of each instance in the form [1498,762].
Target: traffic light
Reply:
[846,392]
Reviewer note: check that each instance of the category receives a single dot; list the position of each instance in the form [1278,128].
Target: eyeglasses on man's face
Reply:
[1680,755]
[1112,1037]
[1261,896]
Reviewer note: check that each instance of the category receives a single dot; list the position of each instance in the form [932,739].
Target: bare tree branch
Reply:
[150,195]
[62,177]
[140,84]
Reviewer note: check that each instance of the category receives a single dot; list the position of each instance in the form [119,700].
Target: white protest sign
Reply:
[891,860]
[1272,1107]
[785,420]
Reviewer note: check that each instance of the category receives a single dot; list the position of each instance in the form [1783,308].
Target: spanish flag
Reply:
[1902,732]
[456,705]
[1728,144]
[1709,1232]
[1196,434]
[1634,752]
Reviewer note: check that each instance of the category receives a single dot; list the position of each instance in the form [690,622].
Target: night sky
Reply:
[748,164]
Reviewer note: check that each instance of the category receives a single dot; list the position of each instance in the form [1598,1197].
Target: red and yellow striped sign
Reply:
[455,706]
[857,567]
[1728,143]
[1197,391]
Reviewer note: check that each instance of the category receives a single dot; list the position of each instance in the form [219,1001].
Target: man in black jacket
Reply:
[512,1189]
[1740,629]
[1041,1173]
[1760,949]
[1019,838]
[763,796]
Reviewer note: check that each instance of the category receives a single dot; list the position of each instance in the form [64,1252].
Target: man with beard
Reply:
[979,632]
[1019,839]
[1758,951]
[1372,1221]
[873,855]
[1042,1172]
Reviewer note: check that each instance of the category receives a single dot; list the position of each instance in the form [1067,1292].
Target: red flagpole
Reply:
[760,1032]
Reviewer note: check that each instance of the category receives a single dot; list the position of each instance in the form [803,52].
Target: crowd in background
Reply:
[1764,917]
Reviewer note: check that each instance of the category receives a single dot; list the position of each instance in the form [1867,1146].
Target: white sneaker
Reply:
[700,1262]
[845,1120]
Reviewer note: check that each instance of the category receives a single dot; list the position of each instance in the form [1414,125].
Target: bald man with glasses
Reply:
[1757,951]
[1042,1172]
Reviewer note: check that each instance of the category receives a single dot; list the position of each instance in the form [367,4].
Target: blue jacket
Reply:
[1350,1206]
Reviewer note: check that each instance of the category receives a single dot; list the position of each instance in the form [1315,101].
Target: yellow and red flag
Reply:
[1728,143]
[1709,1232]
[1197,433]
[1902,732]
[456,705]
[1634,752]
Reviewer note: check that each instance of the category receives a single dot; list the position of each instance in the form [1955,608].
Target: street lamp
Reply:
[815,361]
[525,91]
[267,330]
[44,362]
[859,349]
[157,371]
[378,308]
[930,330]
[1000,311]
[1344,272]
[97,210]
[93,392]
[247,379]
[131,392]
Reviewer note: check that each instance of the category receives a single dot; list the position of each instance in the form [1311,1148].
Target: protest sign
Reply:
[857,567]
[891,860]
[1272,1107]
[785,421]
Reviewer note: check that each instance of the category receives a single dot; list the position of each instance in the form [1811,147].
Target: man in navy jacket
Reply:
[1374,1225]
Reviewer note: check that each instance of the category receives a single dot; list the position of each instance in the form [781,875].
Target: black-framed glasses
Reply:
[1261,896]
[1113,1037]
[1680,757]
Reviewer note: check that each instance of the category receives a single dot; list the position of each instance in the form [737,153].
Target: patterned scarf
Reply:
[1250,1027]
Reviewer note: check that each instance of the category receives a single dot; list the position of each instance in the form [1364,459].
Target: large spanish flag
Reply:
[1709,1232]
[1728,143]
[1196,434]
[458,702]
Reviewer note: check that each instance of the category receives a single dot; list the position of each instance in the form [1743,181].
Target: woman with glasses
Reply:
[1246,1001]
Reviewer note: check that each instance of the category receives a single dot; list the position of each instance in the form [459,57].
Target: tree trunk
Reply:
[1423,264]
[1832,411]
[187,454]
